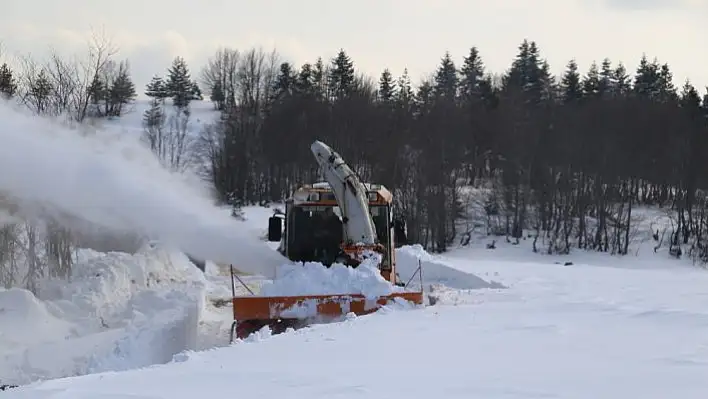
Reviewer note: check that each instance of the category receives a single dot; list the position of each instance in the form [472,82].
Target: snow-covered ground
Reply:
[580,331]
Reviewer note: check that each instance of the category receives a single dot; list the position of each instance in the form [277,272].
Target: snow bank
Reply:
[115,182]
[435,271]
[120,311]
[164,325]
[20,306]
[313,278]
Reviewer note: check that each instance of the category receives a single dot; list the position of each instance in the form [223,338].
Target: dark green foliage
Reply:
[179,84]
[387,87]
[8,85]
[157,88]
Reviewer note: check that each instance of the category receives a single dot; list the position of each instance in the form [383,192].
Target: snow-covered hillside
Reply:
[202,113]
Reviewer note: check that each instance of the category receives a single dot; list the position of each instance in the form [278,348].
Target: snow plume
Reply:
[116,183]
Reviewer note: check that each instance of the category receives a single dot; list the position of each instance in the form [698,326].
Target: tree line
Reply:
[563,160]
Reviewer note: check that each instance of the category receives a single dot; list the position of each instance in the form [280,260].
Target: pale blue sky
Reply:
[376,33]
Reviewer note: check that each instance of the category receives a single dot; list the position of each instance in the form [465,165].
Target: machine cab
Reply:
[313,228]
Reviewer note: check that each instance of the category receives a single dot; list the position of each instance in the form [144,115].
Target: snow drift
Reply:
[436,271]
[115,182]
[120,311]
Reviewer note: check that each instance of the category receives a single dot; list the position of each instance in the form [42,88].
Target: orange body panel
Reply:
[285,307]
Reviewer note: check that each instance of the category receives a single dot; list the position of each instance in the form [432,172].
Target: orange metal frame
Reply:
[273,308]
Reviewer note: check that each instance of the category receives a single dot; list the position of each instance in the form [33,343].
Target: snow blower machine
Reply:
[342,220]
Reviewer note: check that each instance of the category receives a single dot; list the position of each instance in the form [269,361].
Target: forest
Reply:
[563,160]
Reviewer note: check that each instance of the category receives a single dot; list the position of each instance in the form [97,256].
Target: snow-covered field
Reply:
[503,323]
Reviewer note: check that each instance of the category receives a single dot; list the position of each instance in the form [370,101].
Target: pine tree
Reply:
[424,95]
[591,81]
[97,90]
[179,85]
[39,91]
[621,81]
[606,77]
[341,76]
[666,88]
[471,85]
[529,73]
[647,79]
[405,95]
[305,82]
[157,89]
[387,87]
[8,86]
[285,82]
[690,99]
[570,83]
[446,81]
[196,91]
[547,82]
[122,91]
[519,72]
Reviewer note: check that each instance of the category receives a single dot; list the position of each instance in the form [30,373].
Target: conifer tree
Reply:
[387,87]
[122,92]
[446,80]
[570,83]
[8,85]
[341,76]
[156,89]
[591,81]
[472,82]
[179,84]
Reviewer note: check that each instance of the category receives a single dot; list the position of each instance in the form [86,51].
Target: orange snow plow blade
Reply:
[285,307]
[251,313]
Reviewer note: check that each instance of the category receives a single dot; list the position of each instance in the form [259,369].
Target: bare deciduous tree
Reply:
[220,77]
[168,135]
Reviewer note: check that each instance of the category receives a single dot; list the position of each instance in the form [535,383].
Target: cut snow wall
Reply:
[120,311]
[157,338]
[153,338]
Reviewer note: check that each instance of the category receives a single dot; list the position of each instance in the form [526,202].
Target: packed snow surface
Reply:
[115,182]
[581,331]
